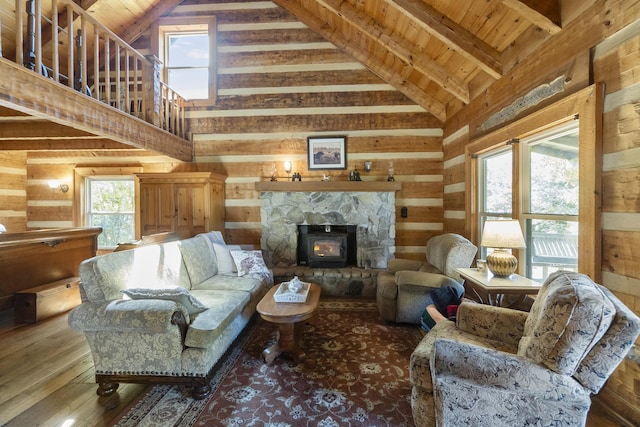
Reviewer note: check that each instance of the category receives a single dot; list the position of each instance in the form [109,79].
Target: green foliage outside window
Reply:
[111,207]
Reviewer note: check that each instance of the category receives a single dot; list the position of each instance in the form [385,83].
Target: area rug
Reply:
[355,374]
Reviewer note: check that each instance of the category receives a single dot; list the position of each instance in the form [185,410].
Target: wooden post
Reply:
[55,57]
[19,36]
[151,90]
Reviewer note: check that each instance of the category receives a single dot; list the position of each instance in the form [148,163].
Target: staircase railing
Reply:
[61,41]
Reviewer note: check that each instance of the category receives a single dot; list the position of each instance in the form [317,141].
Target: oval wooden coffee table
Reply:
[287,315]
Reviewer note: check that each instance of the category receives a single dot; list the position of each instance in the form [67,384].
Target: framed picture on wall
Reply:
[327,152]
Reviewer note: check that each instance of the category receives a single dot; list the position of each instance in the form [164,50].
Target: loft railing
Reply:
[61,41]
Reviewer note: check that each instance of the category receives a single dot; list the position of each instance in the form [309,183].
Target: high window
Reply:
[188,53]
[187,60]
[543,191]
[110,203]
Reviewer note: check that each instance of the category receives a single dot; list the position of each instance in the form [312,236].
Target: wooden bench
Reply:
[43,301]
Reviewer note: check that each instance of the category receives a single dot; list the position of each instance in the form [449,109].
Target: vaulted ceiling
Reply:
[439,53]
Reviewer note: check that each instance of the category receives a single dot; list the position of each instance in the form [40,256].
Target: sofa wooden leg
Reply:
[201,389]
[107,389]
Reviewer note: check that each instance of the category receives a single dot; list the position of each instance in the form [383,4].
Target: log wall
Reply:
[13,197]
[616,62]
[278,83]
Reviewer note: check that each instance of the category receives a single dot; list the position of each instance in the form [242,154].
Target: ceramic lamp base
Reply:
[502,263]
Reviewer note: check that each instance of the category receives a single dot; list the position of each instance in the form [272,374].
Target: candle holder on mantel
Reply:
[391,177]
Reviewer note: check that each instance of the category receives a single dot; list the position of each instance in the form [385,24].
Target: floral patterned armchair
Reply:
[503,367]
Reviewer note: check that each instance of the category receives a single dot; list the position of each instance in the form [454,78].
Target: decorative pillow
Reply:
[181,295]
[226,264]
[251,263]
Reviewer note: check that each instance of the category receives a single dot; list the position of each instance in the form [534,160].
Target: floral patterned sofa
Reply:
[167,312]
[402,290]
[502,367]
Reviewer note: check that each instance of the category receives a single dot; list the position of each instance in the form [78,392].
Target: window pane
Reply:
[111,205]
[551,246]
[498,183]
[554,175]
[191,83]
[188,50]
[112,196]
[115,229]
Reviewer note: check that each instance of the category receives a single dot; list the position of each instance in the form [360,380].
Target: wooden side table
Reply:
[497,287]
[286,315]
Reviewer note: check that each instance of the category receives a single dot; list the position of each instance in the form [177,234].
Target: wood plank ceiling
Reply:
[440,53]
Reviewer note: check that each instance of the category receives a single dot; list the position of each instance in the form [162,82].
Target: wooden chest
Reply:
[40,302]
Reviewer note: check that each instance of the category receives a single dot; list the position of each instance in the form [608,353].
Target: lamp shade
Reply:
[502,234]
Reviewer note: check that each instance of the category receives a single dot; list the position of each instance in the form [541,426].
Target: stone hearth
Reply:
[373,213]
[349,281]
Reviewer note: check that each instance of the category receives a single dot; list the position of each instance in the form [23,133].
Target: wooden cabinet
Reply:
[36,257]
[184,202]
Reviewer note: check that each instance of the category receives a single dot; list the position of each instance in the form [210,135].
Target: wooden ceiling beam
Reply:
[398,47]
[453,35]
[8,113]
[37,129]
[375,65]
[140,26]
[48,144]
[545,14]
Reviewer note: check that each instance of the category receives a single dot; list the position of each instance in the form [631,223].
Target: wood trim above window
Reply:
[587,104]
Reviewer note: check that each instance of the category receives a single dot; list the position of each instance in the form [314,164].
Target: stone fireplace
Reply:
[372,213]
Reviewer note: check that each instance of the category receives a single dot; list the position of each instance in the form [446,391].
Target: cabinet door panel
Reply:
[188,203]
[157,211]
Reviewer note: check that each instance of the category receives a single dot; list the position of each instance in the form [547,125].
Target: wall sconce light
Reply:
[54,185]
[287,168]
[367,166]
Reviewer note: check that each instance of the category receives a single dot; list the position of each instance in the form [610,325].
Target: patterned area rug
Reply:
[355,374]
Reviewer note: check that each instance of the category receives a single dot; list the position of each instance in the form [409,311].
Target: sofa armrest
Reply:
[485,367]
[420,281]
[144,315]
[495,323]
[399,264]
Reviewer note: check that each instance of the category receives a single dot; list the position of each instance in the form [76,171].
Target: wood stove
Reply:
[327,246]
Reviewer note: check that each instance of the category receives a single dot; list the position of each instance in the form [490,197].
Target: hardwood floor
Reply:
[47,379]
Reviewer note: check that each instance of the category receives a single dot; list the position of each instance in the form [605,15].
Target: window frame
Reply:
[524,147]
[88,195]
[587,105]
[80,188]
[165,26]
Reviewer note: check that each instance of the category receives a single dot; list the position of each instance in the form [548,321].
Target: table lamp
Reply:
[502,235]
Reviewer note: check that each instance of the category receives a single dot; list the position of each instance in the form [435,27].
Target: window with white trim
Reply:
[188,54]
[110,204]
[544,192]
[187,63]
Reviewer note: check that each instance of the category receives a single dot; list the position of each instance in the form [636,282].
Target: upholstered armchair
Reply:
[402,290]
[502,367]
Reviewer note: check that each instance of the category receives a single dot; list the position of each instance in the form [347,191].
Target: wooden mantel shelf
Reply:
[319,186]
